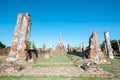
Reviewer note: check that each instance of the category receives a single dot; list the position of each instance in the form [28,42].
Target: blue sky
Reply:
[75,19]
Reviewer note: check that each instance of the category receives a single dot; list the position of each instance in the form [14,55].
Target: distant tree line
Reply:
[2,45]
[113,43]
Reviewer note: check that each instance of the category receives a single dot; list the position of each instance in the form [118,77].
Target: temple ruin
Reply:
[95,53]
[60,47]
[108,45]
[20,38]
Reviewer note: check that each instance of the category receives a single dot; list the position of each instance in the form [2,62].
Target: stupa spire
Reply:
[60,47]
[60,38]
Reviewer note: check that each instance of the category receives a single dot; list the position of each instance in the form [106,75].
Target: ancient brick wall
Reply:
[4,52]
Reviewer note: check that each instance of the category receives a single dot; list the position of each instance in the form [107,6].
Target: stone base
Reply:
[12,59]
[11,67]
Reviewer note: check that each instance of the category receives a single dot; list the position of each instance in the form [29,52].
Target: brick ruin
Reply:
[60,47]
[20,38]
[95,53]
[4,51]
[109,49]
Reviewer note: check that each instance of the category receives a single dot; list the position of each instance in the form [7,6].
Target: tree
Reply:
[103,45]
[113,44]
[2,45]
[87,48]
[29,45]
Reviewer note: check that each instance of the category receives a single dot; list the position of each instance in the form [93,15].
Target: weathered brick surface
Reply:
[20,37]
[4,52]
[95,53]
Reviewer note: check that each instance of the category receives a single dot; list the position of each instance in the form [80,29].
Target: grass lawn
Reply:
[113,67]
[55,58]
[48,78]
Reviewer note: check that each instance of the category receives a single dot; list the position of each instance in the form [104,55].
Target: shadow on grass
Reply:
[79,54]
[117,57]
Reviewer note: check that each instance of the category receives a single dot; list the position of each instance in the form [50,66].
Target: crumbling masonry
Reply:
[95,51]
[20,38]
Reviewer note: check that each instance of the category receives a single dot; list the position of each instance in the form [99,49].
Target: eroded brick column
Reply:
[20,38]
[95,51]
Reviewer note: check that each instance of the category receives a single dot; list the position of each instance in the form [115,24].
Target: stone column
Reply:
[68,48]
[20,38]
[44,47]
[118,45]
[108,45]
[83,46]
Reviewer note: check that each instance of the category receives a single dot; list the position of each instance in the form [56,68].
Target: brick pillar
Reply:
[20,38]
[96,53]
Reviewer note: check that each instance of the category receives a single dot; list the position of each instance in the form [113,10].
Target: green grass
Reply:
[55,58]
[53,66]
[48,78]
[113,67]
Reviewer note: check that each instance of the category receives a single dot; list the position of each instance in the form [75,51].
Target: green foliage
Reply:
[87,48]
[40,49]
[103,45]
[29,44]
[2,45]
[113,43]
